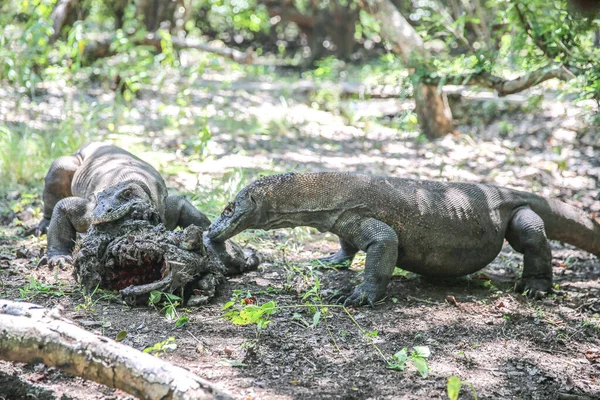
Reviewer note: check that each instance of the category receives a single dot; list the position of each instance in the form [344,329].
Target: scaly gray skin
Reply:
[427,227]
[98,184]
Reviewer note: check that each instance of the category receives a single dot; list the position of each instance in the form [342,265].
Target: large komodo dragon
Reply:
[431,228]
[100,184]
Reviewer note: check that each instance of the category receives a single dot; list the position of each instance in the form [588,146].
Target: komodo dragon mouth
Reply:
[138,210]
[133,263]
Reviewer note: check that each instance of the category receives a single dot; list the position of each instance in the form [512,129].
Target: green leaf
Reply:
[316,319]
[372,333]
[454,384]
[396,366]
[263,323]
[170,313]
[120,336]
[399,360]
[421,365]
[181,321]
[172,297]
[422,351]
[227,305]
[155,296]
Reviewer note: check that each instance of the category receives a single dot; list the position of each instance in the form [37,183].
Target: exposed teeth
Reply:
[133,268]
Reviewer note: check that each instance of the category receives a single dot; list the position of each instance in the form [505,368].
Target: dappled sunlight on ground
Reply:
[476,328]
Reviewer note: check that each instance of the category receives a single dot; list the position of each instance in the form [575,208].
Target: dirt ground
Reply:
[476,328]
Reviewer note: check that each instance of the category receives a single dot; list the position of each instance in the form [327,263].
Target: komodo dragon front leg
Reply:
[380,242]
[180,212]
[71,215]
[64,215]
[344,255]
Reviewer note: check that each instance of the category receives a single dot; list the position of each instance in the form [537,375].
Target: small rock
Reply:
[14,195]
[22,253]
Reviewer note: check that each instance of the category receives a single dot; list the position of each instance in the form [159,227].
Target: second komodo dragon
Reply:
[431,228]
[102,184]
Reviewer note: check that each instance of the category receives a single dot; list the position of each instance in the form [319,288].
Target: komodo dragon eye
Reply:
[228,211]
[126,194]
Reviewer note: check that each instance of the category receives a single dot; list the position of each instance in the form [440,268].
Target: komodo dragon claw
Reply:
[42,227]
[535,288]
[61,261]
[362,295]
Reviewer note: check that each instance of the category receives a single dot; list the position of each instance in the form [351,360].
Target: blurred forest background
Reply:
[411,47]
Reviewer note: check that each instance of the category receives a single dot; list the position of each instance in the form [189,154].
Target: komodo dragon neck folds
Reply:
[100,184]
[427,227]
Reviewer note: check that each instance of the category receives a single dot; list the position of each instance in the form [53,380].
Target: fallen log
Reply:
[31,333]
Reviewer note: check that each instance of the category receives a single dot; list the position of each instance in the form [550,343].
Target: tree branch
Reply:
[101,47]
[30,333]
[509,86]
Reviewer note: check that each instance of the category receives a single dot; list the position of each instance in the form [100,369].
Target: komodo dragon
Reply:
[100,184]
[431,228]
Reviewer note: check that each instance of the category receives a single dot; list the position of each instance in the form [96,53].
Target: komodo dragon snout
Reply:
[117,201]
[237,216]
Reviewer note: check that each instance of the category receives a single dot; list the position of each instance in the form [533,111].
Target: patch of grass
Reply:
[89,303]
[243,309]
[26,154]
[35,288]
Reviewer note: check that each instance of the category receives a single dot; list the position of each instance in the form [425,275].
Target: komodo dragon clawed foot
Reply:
[61,260]
[535,288]
[365,293]
[42,227]
[344,255]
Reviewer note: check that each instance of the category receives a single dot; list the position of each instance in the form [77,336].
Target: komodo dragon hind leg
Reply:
[344,255]
[180,212]
[57,187]
[526,235]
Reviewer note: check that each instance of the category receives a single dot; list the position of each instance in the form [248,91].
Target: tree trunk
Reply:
[435,117]
[65,13]
[335,23]
[30,333]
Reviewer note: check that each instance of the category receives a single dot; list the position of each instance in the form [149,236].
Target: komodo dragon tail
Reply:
[568,224]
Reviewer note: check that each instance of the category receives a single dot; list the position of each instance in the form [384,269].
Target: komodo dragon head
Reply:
[126,198]
[242,213]
[275,201]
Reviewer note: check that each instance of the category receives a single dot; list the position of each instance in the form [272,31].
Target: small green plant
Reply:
[35,288]
[162,347]
[169,306]
[418,357]
[89,303]
[246,312]
[505,128]
[454,386]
